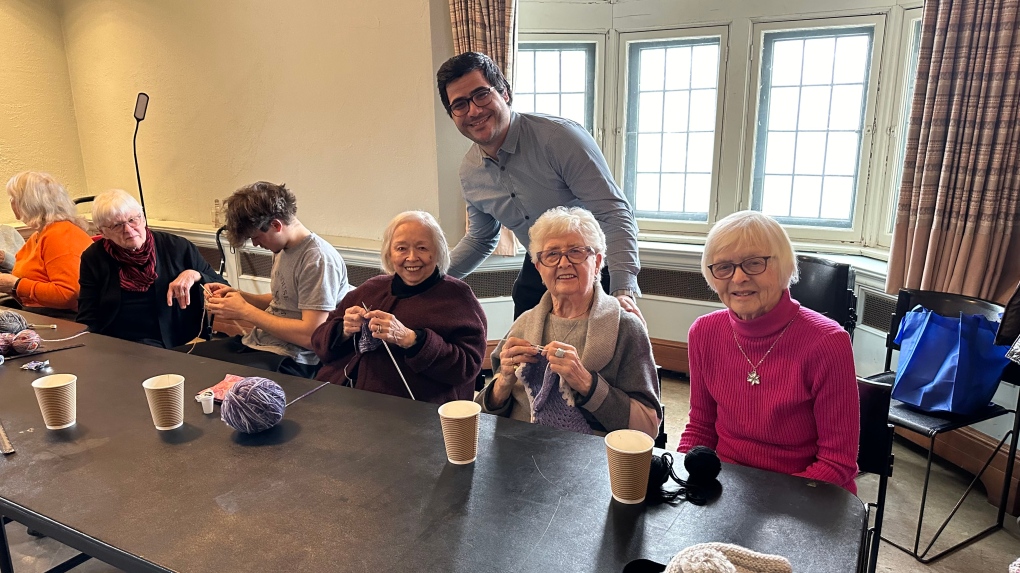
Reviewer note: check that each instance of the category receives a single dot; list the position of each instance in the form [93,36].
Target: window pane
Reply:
[525,73]
[547,68]
[813,85]
[699,152]
[704,66]
[841,154]
[651,112]
[818,53]
[810,153]
[776,200]
[547,103]
[702,110]
[779,154]
[852,59]
[672,195]
[672,98]
[786,60]
[675,112]
[783,106]
[574,71]
[556,79]
[814,108]
[572,107]
[698,192]
[807,194]
[908,95]
[649,152]
[653,62]
[837,197]
[678,68]
[674,152]
[647,192]
[846,106]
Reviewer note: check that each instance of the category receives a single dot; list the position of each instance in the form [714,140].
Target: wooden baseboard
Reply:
[968,448]
[669,354]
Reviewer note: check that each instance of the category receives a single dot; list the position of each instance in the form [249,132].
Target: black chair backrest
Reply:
[827,287]
[873,452]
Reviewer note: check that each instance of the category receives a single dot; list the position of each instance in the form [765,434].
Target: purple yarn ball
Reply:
[26,341]
[253,405]
[6,343]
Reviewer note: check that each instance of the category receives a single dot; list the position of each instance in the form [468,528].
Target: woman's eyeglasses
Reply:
[481,98]
[576,255]
[118,227]
[752,266]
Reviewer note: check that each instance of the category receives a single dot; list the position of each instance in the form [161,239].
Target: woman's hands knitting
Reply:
[516,351]
[563,360]
[388,328]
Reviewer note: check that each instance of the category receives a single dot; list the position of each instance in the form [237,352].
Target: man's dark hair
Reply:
[464,64]
[252,208]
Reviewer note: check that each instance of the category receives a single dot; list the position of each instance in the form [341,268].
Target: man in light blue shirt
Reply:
[522,165]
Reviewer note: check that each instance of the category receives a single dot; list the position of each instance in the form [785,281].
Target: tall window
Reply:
[672,89]
[811,112]
[556,79]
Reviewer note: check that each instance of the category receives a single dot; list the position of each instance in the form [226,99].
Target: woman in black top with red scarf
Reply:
[138,284]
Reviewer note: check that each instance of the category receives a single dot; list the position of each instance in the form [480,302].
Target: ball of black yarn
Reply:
[702,465]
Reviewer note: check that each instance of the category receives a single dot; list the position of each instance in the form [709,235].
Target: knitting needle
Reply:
[390,352]
[5,443]
[44,351]
[38,326]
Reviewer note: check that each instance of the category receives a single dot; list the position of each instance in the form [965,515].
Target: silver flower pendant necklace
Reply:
[752,377]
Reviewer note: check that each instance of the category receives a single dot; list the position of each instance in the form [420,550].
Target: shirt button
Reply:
[526,217]
[513,194]
[502,168]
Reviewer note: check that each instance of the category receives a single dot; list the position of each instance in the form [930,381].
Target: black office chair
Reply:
[874,455]
[827,287]
[660,439]
[933,424]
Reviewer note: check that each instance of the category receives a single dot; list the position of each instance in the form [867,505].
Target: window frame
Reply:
[598,95]
[649,225]
[897,130]
[589,48]
[866,169]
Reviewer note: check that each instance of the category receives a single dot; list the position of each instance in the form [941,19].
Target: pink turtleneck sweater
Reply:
[802,419]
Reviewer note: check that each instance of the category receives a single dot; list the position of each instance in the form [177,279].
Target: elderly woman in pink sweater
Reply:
[773,384]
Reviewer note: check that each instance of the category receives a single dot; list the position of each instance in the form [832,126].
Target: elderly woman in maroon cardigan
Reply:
[432,323]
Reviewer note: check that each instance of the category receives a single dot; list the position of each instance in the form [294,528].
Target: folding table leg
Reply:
[6,566]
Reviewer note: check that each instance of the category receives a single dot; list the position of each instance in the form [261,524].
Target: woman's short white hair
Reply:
[42,200]
[751,230]
[560,221]
[429,222]
[114,205]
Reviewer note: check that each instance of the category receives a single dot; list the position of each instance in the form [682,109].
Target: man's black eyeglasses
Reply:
[752,266]
[481,98]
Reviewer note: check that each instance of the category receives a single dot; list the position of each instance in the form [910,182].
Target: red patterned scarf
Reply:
[137,268]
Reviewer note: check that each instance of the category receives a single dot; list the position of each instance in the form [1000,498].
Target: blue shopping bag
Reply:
[947,364]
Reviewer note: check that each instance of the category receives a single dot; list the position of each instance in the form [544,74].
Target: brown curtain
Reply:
[957,215]
[489,27]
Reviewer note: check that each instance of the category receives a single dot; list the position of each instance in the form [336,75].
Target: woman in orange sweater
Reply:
[46,269]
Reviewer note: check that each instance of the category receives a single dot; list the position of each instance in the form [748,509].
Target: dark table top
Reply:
[354,481]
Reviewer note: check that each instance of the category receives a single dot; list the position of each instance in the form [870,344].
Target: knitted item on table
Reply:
[726,558]
[6,343]
[367,343]
[549,406]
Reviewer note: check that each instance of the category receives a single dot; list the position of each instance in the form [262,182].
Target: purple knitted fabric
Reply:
[548,405]
[367,343]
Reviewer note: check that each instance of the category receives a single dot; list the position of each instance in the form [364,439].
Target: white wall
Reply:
[336,99]
[37,119]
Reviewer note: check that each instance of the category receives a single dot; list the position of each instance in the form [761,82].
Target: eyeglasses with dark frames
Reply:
[576,255]
[752,266]
[118,227]
[480,97]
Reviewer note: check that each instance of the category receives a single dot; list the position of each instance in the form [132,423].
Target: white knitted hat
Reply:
[726,558]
